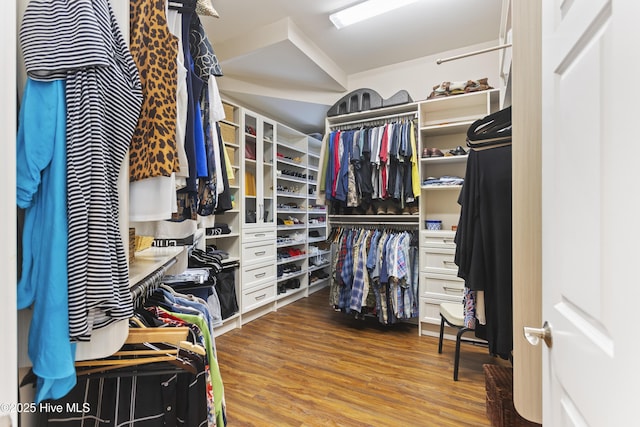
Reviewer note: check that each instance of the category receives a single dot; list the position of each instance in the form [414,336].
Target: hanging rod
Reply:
[375,119]
[147,285]
[377,224]
[464,55]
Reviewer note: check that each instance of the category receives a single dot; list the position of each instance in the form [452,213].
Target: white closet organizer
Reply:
[258,257]
[443,125]
[292,189]
[319,259]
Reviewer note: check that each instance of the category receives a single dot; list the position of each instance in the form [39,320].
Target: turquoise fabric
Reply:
[41,191]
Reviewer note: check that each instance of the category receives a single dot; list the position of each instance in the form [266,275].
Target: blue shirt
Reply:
[42,191]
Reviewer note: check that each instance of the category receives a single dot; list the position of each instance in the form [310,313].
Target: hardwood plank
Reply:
[307,365]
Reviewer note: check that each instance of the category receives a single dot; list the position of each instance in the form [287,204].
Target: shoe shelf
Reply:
[292,179]
[292,195]
[292,275]
[288,260]
[318,225]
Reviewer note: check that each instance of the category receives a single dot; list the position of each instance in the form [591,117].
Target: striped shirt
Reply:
[82,39]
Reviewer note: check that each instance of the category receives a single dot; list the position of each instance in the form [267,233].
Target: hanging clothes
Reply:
[41,191]
[103,98]
[484,234]
[369,165]
[153,155]
[375,273]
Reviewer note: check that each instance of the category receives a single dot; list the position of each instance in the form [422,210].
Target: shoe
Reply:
[426,152]
[436,153]
[458,151]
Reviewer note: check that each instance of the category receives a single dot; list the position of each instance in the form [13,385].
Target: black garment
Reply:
[483,241]
[141,396]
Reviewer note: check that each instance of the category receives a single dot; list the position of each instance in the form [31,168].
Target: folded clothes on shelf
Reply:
[443,180]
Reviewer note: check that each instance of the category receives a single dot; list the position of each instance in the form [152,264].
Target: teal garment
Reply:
[216,377]
[41,190]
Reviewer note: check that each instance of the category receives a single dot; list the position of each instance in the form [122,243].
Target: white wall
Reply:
[420,75]
[8,250]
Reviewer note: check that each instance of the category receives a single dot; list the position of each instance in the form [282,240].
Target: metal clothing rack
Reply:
[376,121]
[144,288]
[478,52]
[374,225]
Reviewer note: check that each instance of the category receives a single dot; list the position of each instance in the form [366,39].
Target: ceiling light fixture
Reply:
[365,10]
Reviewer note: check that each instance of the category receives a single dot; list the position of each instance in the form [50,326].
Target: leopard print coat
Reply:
[154,49]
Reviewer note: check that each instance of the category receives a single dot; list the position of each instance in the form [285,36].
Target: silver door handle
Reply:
[534,335]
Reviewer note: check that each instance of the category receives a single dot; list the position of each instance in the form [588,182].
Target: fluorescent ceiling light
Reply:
[365,10]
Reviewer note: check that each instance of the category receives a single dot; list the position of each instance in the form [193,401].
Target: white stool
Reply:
[453,315]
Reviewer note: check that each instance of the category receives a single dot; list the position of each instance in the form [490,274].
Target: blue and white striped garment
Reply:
[81,40]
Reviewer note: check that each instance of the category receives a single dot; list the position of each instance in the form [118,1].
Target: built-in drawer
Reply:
[257,297]
[430,309]
[255,275]
[436,285]
[437,239]
[258,252]
[258,235]
[438,260]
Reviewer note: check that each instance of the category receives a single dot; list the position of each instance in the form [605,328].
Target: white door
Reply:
[591,211]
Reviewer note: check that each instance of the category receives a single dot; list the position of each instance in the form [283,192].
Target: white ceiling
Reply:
[269,47]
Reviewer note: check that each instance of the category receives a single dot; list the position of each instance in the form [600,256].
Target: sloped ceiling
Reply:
[276,55]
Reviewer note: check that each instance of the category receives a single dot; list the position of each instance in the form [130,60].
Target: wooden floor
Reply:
[307,365]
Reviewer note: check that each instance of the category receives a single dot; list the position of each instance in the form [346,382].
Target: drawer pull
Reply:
[448,240]
[260,275]
[259,297]
[260,253]
[259,235]
[454,290]
[450,264]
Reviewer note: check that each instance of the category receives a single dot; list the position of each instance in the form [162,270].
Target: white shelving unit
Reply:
[443,124]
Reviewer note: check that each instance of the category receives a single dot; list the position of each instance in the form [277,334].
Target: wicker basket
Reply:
[499,388]
[228,133]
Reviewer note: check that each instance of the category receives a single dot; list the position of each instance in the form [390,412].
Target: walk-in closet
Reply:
[300,213]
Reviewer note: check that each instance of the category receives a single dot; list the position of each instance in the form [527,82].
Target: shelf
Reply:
[318,267]
[283,261]
[288,276]
[222,236]
[317,211]
[317,225]
[293,195]
[291,227]
[445,159]
[149,260]
[440,187]
[446,128]
[291,163]
[287,244]
[316,239]
[292,179]
[285,145]
[231,144]
[230,260]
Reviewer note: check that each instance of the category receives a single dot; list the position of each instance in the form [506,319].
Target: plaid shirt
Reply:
[359,272]
[346,273]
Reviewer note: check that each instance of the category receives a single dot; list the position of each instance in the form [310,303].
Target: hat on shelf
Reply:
[205,8]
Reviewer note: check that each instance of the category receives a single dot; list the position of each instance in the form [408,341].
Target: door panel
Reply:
[589,193]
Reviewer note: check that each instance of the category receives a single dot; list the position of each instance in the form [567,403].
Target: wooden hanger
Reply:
[175,336]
